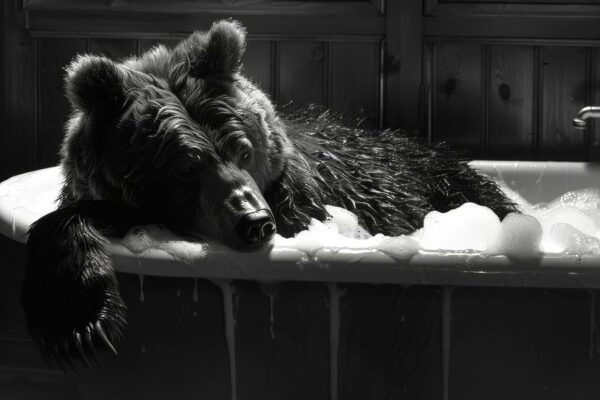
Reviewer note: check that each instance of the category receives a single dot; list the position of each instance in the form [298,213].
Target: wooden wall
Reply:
[506,80]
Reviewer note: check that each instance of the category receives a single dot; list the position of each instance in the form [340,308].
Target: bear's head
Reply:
[179,136]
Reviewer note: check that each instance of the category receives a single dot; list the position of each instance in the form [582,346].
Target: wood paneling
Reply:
[146,44]
[522,108]
[564,93]
[522,344]
[11,276]
[404,100]
[301,72]
[354,79]
[113,48]
[139,24]
[54,108]
[262,7]
[513,27]
[595,100]
[539,68]
[458,96]
[18,148]
[511,103]
[258,65]
[566,11]
[294,361]
[389,343]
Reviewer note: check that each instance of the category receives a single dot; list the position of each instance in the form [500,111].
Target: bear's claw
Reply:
[104,338]
[89,341]
[80,350]
[78,346]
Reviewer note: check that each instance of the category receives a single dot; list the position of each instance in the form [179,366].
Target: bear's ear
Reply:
[95,85]
[218,52]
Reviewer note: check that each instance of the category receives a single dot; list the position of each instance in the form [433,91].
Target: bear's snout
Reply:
[256,225]
[256,228]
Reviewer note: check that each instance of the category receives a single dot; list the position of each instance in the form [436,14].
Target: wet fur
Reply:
[389,180]
[148,135]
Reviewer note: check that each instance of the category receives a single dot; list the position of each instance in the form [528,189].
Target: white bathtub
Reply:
[535,181]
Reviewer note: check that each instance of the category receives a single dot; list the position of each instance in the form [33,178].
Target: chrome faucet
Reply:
[581,121]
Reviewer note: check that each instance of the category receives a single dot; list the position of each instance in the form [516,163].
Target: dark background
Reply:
[501,78]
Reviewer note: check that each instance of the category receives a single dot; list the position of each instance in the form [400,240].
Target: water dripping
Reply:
[228,291]
[141,279]
[270,290]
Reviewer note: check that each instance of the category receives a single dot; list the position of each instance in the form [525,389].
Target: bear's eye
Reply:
[245,152]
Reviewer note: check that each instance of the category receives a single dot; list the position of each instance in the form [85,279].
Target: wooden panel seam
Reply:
[538,93]
[485,93]
[435,8]
[138,24]
[514,27]
[589,95]
[256,7]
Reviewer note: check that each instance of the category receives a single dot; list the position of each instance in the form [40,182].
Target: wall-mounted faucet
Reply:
[581,121]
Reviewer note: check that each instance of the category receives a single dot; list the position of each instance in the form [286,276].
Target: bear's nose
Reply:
[256,228]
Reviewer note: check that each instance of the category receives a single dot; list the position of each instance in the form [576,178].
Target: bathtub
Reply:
[347,324]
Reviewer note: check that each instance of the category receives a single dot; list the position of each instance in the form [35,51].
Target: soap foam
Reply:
[150,238]
[342,231]
[468,227]
[570,224]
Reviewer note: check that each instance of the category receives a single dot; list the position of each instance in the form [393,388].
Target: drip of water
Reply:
[141,279]
[334,337]
[13,222]
[195,292]
[446,326]
[228,290]
[270,290]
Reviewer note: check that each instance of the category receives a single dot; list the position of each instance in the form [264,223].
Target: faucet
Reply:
[581,121]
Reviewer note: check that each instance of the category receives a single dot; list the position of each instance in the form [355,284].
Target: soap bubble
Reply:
[587,199]
[468,227]
[345,223]
[519,237]
[566,215]
[567,239]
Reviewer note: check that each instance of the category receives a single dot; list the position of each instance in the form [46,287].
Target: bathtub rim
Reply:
[370,266]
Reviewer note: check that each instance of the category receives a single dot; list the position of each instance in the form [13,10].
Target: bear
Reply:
[180,137]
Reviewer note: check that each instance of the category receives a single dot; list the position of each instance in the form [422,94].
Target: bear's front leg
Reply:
[70,293]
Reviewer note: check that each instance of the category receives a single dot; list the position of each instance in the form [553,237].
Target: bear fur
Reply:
[181,138]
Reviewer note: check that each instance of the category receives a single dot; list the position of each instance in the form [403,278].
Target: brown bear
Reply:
[180,137]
